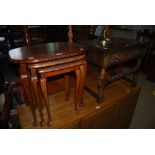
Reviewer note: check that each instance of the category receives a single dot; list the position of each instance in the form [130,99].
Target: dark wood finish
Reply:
[116,52]
[70,34]
[83,70]
[44,52]
[115,112]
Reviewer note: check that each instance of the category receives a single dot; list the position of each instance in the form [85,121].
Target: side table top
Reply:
[113,45]
[45,52]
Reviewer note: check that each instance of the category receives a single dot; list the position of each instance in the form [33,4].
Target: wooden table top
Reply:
[45,52]
[113,45]
[117,50]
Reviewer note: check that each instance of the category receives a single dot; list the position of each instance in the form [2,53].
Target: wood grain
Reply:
[62,112]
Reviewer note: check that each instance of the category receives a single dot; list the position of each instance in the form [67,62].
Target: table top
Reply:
[113,45]
[117,50]
[45,52]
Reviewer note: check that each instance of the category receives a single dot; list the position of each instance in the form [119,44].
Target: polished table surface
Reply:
[113,44]
[44,52]
[43,55]
[96,51]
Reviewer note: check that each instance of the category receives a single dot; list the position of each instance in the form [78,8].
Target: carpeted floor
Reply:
[144,116]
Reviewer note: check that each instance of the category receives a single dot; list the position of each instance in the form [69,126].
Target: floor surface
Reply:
[144,115]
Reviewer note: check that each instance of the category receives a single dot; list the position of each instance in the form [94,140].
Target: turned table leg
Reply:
[77,86]
[26,84]
[101,86]
[83,69]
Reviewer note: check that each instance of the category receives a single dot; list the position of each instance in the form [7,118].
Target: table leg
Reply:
[34,82]
[26,84]
[66,78]
[77,86]
[44,92]
[83,69]
[101,86]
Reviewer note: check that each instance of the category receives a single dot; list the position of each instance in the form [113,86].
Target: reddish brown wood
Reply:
[34,82]
[66,68]
[66,78]
[26,84]
[44,91]
[81,84]
[41,56]
[77,89]
[115,112]
[57,62]
[45,52]
[83,69]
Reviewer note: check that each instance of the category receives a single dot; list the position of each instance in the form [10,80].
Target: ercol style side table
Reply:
[46,60]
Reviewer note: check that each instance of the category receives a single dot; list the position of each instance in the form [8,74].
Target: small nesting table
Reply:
[36,60]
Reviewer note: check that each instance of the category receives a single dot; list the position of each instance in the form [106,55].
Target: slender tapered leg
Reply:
[34,82]
[33,96]
[26,84]
[44,92]
[77,86]
[41,97]
[66,77]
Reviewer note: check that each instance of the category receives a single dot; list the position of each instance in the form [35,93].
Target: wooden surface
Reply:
[118,50]
[64,116]
[114,54]
[44,52]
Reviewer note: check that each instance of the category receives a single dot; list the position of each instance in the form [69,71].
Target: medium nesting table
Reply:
[40,61]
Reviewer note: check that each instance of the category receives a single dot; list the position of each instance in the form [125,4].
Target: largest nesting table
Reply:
[40,55]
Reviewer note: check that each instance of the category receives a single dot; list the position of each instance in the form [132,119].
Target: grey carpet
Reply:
[144,115]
